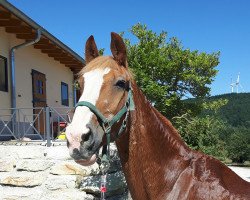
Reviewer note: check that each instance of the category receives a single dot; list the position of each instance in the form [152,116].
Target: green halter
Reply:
[108,123]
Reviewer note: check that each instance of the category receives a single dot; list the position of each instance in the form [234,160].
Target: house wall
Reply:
[29,58]
[5,99]
[26,59]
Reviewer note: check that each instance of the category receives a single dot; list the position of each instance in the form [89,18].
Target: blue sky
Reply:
[205,25]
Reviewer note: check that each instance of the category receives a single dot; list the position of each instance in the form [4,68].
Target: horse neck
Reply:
[148,147]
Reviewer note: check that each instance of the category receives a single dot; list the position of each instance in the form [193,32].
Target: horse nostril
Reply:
[76,154]
[75,151]
[85,137]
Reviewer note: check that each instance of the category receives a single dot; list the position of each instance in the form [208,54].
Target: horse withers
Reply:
[156,162]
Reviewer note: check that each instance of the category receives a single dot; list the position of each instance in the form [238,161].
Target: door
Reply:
[39,100]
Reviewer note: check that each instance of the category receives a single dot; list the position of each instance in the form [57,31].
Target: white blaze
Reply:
[93,81]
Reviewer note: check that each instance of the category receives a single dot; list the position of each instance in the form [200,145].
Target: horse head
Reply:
[105,85]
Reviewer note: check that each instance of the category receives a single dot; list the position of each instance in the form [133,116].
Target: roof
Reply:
[16,22]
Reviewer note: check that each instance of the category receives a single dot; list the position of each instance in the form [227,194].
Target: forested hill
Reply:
[237,110]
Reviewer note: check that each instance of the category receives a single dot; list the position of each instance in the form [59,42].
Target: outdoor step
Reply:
[34,165]
[33,171]
[72,168]
[7,164]
[24,152]
[57,152]
[15,193]
[23,179]
[54,182]
[68,194]
[37,193]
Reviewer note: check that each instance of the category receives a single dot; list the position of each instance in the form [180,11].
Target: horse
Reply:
[155,160]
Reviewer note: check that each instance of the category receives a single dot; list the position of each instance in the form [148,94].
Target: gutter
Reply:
[13,69]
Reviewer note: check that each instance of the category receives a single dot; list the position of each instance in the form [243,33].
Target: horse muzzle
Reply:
[82,147]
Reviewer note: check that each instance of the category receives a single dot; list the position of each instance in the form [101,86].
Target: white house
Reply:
[36,70]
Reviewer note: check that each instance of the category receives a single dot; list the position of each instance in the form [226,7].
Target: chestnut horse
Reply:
[156,162]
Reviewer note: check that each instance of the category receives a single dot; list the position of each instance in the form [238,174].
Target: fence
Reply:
[44,123]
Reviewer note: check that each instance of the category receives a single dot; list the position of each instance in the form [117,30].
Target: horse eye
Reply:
[121,84]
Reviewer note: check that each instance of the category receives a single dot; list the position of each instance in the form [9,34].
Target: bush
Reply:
[238,145]
[202,133]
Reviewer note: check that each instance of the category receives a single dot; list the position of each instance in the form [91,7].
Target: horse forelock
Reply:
[103,62]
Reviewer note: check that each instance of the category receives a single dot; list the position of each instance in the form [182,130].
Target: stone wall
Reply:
[32,171]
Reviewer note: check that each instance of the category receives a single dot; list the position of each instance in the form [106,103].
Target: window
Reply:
[39,87]
[3,74]
[64,94]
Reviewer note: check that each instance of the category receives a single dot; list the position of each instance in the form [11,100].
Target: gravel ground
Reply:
[243,172]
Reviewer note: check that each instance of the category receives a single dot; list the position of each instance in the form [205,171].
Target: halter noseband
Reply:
[107,124]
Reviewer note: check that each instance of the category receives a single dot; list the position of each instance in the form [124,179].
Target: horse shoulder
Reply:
[215,180]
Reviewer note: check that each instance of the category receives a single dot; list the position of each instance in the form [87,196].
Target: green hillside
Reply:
[223,132]
[237,111]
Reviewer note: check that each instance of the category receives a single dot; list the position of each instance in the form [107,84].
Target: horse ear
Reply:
[91,51]
[118,49]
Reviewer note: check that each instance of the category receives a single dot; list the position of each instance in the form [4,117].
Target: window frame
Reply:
[64,102]
[6,89]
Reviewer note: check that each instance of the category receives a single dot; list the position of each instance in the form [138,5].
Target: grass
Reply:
[245,164]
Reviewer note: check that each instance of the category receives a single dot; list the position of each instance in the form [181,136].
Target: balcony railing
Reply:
[34,124]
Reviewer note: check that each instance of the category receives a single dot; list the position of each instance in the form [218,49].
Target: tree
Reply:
[101,51]
[203,134]
[238,144]
[167,72]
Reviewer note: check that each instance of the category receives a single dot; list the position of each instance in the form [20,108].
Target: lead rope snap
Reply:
[103,187]
[104,167]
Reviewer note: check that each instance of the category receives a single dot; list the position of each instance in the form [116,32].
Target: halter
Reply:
[106,125]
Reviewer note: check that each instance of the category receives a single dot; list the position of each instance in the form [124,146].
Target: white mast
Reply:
[232,85]
[236,84]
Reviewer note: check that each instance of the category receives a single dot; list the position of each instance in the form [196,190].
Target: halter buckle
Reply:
[106,127]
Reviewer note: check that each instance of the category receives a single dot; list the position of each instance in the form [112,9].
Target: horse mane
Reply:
[170,134]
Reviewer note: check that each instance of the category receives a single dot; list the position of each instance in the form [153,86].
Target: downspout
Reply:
[74,96]
[74,90]
[13,69]
[13,77]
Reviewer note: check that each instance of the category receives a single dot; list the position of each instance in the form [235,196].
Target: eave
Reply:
[16,22]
